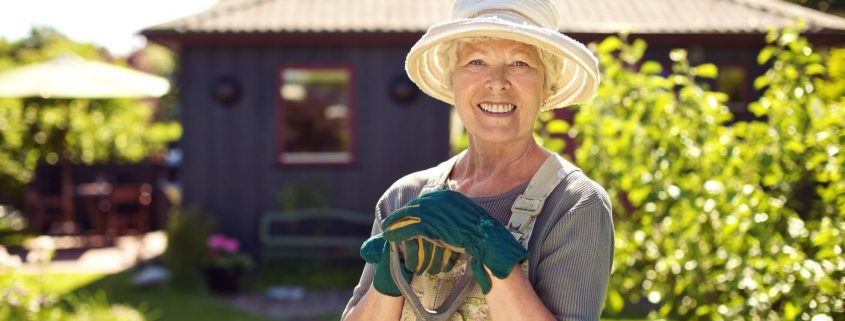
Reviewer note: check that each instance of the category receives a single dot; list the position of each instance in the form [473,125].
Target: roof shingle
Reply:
[577,16]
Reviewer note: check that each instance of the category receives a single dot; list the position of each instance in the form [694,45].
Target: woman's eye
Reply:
[475,62]
[520,64]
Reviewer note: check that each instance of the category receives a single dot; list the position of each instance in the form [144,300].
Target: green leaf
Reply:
[651,67]
[638,195]
[615,301]
[678,55]
[787,37]
[555,144]
[823,237]
[830,286]
[790,311]
[825,254]
[815,69]
[761,82]
[791,72]
[665,309]
[772,35]
[707,71]
[610,44]
[765,54]
[795,146]
[557,126]
[702,310]
[635,51]
[770,179]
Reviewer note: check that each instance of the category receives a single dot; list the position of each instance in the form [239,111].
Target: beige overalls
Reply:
[432,289]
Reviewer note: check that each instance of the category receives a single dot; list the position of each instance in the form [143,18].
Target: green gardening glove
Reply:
[456,220]
[376,251]
[423,256]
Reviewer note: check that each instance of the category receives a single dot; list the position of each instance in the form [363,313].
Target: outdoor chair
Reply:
[43,209]
[129,205]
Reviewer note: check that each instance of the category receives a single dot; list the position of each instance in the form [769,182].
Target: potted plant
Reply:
[225,264]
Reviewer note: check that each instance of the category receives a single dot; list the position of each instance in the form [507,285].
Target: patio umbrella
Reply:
[69,76]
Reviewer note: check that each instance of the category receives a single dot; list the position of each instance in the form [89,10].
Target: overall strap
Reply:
[529,204]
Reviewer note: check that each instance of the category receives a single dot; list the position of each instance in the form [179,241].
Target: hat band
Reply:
[505,11]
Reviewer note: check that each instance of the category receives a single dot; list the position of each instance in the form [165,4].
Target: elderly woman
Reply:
[538,231]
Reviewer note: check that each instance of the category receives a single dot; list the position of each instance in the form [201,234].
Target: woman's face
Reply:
[498,88]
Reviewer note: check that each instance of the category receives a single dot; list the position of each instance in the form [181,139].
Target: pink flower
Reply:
[231,245]
[222,242]
[216,241]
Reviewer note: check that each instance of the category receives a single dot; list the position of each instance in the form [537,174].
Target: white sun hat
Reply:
[533,22]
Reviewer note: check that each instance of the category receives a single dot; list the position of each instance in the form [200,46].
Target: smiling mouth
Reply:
[497,108]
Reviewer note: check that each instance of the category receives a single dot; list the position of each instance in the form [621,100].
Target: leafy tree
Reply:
[95,130]
[160,61]
[834,84]
[718,221]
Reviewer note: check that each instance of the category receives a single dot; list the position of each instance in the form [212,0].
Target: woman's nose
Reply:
[498,80]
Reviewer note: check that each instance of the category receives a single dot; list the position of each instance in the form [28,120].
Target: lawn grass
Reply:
[167,304]
[163,303]
[49,282]
[158,303]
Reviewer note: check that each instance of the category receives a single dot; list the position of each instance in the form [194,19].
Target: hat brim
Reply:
[578,65]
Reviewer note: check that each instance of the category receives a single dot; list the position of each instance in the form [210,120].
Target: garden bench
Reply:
[316,233]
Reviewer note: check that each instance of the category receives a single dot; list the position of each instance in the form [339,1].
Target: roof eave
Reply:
[176,39]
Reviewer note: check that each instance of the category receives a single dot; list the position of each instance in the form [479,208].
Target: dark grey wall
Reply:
[229,166]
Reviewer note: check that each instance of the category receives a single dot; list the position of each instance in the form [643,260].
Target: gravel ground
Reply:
[315,305]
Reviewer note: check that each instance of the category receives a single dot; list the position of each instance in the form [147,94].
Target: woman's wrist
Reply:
[513,298]
[375,305]
[515,276]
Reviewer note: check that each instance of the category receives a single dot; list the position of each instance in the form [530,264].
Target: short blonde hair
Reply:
[552,64]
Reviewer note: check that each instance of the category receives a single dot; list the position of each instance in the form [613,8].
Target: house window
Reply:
[732,80]
[315,115]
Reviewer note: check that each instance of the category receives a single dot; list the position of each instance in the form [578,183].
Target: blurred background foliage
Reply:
[187,248]
[40,296]
[97,130]
[717,219]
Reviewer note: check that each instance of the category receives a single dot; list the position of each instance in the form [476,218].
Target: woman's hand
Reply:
[422,256]
[461,224]
[376,251]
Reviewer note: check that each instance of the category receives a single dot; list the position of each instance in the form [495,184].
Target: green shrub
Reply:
[24,299]
[88,307]
[187,250]
[21,307]
[717,221]
[12,227]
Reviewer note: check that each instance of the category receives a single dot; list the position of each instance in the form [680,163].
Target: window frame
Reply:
[281,108]
[740,106]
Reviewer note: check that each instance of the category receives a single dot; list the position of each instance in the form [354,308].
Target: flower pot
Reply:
[222,280]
